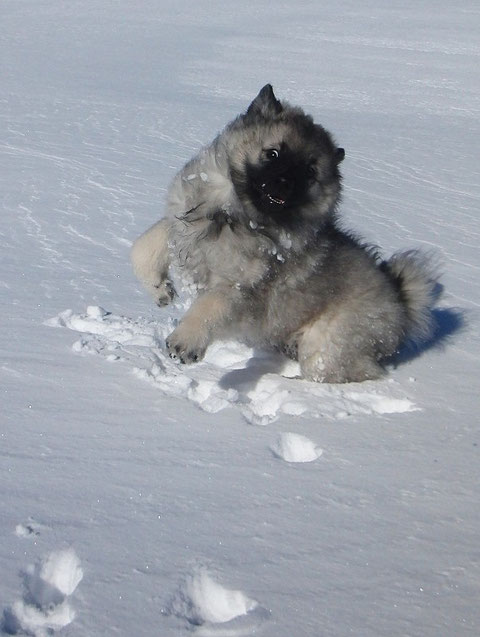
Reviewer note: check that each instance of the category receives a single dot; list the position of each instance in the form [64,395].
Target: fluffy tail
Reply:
[416,275]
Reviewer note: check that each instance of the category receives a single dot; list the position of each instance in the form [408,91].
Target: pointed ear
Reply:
[265,104]
[339,155]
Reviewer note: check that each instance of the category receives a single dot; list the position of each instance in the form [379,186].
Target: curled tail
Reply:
[416,276]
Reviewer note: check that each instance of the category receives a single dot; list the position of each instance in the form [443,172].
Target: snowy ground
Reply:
[142,498]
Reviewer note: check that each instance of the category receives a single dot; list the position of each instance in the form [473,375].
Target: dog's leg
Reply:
[206,317]
[150,261]
[334,349]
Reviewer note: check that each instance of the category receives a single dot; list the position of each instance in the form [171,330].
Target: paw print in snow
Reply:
[45,606]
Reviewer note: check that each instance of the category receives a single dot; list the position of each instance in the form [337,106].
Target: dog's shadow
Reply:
[261,363]
[447,322]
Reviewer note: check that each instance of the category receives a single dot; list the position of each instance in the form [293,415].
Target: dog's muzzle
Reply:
[277,191]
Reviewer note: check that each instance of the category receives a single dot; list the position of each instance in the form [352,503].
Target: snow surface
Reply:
[140,497]
[48,585]
[295,448]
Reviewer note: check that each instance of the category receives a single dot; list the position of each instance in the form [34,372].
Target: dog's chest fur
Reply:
[215,253]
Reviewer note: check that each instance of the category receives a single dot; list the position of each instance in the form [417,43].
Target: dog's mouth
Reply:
[273,198]
[275,201]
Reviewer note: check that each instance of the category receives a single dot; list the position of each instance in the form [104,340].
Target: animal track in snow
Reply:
[296,448]
[205,603]
[262,385]
[30,529]
[45,606]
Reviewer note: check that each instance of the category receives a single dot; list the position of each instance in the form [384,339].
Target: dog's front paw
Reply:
[164,292]
[184,347]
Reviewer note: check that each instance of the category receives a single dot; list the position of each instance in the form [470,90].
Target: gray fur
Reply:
[251,221]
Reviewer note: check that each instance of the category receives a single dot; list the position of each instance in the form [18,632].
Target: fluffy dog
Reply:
[251,223]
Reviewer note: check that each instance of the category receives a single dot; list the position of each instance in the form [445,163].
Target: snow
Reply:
[262,385]
[141,497]
[200,599]
[45,608]
[292,447]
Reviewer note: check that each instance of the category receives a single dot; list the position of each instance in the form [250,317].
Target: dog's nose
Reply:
[282,182]
[283,185]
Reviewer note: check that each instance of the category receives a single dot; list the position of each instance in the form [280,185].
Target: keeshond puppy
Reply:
[251,222]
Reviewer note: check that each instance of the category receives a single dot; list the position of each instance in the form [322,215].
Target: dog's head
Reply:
[282,164]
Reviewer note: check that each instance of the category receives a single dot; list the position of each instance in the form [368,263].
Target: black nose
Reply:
[279,185]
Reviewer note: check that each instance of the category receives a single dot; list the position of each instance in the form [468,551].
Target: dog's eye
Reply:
[272,153]
[312,171]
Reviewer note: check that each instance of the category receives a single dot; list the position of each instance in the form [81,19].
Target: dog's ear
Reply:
[265,104]
[339,155]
